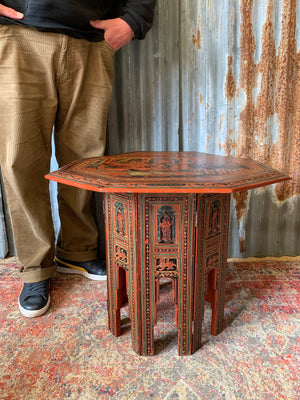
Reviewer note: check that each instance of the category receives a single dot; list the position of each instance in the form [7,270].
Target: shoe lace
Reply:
[37,288]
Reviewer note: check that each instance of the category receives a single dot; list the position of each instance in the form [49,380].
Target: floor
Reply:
[70,354]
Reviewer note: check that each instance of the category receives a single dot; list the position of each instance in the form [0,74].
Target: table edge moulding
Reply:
[188,172]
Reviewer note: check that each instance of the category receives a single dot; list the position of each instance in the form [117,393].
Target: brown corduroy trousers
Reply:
[50,80]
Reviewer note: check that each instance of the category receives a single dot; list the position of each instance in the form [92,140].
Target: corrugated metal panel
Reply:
[221,78]
[145,108]
[224,78]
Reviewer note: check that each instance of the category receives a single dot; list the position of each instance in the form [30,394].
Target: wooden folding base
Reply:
[179,236]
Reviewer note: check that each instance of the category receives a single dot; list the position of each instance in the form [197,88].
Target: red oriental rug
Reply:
[69,353]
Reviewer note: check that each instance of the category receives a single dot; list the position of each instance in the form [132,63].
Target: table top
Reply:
[166,172]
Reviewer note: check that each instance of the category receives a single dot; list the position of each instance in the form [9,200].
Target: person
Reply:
[56,74]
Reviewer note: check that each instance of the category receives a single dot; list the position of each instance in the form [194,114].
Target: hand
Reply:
[10,12]
[117,32]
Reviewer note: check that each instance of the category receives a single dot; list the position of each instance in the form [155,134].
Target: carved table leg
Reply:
[121,250]
[211,261]
[167,239]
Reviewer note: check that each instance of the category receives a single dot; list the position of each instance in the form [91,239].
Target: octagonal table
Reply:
[167,216]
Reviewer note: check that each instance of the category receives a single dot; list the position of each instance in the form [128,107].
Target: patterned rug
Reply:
[70,354]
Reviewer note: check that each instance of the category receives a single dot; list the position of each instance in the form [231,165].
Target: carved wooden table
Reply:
[167,215]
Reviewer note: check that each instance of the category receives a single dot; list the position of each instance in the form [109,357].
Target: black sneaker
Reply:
[34,299]
[93,269]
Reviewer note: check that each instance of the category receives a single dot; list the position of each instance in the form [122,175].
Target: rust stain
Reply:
[265,107]
[248,76]
[197,38]
[285,152]
[208,139]
[293,186]
[242,245]
[201,98]
[278,95]
[230,84]
[240,204]
[229,144]
[221,121]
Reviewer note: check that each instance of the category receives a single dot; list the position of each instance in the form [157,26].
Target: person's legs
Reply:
[84,90]
[34,67]
[28,103]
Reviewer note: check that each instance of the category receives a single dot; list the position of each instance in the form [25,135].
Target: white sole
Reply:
[75,271]
[34,313]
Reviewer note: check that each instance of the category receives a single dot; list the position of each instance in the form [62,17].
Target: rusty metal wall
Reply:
[221,77]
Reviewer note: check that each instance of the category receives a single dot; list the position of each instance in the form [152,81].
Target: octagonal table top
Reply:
[166,172]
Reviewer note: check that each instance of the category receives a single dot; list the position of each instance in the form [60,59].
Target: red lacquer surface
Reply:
[166,172]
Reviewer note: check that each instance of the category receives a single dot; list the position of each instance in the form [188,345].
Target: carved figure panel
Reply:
[214,220]
[165,220]
[166,267]
[121,256]
[166,225]
[212,261]
[120,219]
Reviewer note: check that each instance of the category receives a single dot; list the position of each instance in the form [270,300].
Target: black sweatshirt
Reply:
[72,16]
